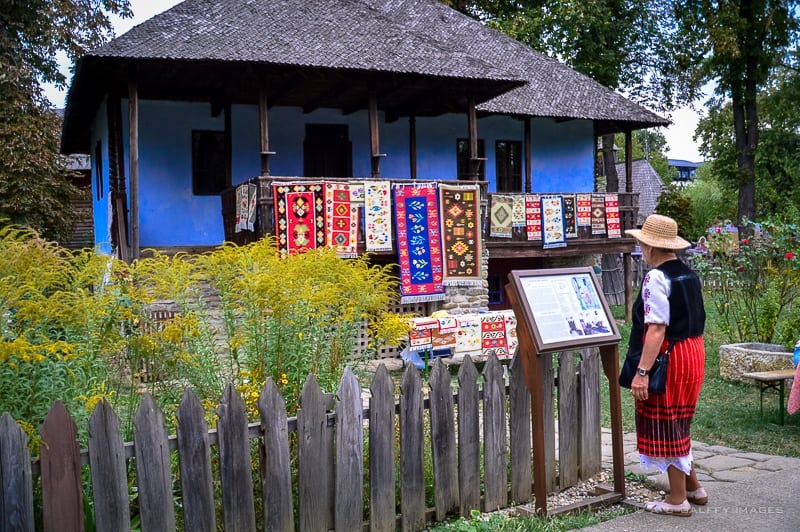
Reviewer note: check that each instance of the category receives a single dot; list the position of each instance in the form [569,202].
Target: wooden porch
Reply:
[518,246]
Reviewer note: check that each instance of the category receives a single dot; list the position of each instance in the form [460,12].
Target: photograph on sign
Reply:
[566,307]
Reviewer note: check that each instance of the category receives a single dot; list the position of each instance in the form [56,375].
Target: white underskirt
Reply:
[651,463]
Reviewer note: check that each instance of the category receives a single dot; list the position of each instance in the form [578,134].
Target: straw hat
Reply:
[659,232]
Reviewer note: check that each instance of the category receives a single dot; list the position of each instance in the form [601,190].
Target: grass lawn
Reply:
[728,412]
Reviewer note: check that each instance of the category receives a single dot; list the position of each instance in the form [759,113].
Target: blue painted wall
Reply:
[101,201]
[171,215]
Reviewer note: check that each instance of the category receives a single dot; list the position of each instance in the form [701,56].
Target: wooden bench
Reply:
[772,380]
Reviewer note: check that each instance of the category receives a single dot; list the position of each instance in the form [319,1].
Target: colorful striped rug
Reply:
[341,220]
[378,215]
[584,210]
[612,216]
[533,216]
[570,218]
[501,216]
[299,216]
[553,222]
[461,234]
[419,246]
[598,214]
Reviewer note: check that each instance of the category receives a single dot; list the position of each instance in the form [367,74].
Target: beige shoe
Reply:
[698,496]
[663,507]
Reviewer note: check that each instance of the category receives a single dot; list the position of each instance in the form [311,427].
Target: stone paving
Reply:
[714,463]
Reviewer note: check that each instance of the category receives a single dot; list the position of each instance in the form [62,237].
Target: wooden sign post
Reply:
[559,310]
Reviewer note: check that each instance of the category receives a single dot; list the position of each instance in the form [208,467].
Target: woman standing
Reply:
[668,312]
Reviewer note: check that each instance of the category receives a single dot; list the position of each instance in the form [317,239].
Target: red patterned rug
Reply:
[461,234]
[299,216]
[419,244]
[341,220]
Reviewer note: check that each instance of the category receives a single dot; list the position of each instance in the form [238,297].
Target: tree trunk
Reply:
[610,164]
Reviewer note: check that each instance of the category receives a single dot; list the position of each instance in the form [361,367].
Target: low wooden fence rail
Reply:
[485,426]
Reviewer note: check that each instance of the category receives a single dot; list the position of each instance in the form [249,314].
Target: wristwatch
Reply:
[643,372]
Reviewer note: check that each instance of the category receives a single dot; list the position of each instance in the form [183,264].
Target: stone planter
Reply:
[736,359]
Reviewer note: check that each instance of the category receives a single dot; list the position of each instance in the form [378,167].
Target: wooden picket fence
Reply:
[484,426]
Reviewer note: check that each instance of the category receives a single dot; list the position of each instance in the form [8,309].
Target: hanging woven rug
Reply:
[419,246]
[461,234]
[299,216]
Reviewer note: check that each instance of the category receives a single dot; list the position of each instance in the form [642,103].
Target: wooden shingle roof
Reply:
[419,56]
[646,182]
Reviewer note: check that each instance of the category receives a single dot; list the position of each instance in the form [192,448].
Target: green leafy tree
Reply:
[738,44]
[777,165]
[34,188]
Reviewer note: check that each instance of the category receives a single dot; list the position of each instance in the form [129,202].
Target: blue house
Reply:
[685,169]
[210,94]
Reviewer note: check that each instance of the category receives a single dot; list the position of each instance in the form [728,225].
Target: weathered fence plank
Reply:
[276,477]
[349,504]
[314,459]
[469,443]
[412,481]
[16,481]
[549,417]
[109,474]
[567,420]
[194,458]
[494,436]
[236,475]
[519,419]
[381,453]
[443,441]
[590,445]
[153,467]
[62,495]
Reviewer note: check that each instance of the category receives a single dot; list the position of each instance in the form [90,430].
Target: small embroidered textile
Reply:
[598,214]
[378,215]
[518,211]
[584,210]
[612,216]
[299,216]
[461,234]
[570,221]
[553,222]
[419,339]
[341,220]
[533,216]
[493,335]
[245,207]
[501,216]
[469,334]
[419,245]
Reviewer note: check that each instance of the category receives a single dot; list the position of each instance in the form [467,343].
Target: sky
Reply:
[679,134]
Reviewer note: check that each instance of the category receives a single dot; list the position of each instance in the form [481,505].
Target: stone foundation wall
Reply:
[737,359]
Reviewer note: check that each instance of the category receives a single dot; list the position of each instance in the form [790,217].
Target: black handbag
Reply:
[658,373]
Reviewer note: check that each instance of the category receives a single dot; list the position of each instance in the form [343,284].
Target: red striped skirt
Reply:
[663,421]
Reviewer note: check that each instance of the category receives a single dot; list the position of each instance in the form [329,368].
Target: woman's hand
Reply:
[639,387]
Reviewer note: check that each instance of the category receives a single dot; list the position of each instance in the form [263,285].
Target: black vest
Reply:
[687,315]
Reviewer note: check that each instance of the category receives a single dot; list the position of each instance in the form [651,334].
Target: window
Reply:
[508,155]
[462,159]
[208,163]
[495,289]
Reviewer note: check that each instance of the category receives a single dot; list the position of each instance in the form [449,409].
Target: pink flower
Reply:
[745,241]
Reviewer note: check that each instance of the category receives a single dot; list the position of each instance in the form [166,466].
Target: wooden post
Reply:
[627,277]
[228,139]
[263,126]
[412,145]
[609,355]
[628,161]
[133,132]
[374,141]
[528,155]
[472,126]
